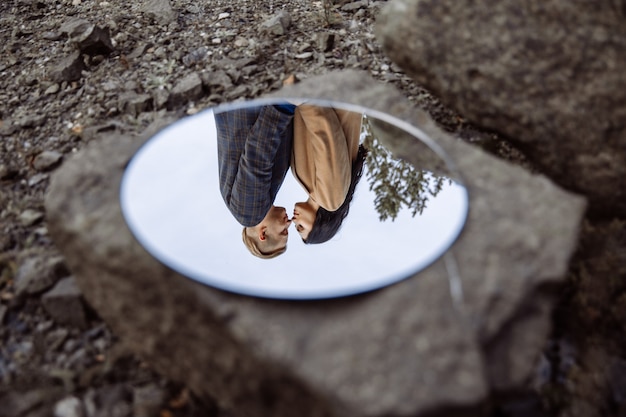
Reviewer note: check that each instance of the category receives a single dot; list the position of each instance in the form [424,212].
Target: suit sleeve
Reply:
[259,136]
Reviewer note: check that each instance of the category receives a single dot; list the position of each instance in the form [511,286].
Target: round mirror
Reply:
[291,199]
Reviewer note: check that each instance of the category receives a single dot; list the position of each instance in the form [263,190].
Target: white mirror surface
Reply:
[171,200]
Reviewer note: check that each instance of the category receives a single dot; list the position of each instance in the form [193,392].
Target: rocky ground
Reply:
[74,70]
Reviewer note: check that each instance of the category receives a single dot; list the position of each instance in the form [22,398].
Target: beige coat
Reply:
[325,143]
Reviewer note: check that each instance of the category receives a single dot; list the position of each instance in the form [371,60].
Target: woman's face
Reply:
[304,217]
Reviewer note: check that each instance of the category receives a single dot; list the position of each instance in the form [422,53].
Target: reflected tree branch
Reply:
[396,183]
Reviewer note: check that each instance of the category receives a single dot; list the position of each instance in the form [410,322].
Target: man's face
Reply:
[277,223]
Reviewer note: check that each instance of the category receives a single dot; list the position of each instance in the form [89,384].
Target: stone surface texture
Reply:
[547,74]
[406,349]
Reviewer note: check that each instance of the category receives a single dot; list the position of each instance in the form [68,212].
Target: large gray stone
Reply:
[549,74]
[406,349]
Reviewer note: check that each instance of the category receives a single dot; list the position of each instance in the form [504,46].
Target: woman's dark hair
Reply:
[327,223]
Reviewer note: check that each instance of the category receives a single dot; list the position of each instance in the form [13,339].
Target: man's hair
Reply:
[251,244]
[327,223]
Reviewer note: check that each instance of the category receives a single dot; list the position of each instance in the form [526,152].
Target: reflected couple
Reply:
[256,148]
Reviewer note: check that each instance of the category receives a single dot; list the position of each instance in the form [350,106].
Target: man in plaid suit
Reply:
[254,150]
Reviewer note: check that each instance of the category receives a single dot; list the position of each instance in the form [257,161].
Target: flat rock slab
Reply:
[549,74]
[403,350]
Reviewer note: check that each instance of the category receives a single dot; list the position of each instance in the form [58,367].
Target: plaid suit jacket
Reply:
[254,150]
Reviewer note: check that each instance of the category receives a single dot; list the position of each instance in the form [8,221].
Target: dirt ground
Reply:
[64,83]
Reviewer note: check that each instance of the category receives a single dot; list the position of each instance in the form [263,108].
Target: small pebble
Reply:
[51,36]
[4,172]
[36,179]
[47,160]
[30,217]
[53,89]
[69,407]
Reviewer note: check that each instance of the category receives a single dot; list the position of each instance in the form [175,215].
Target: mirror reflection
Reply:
[306,187]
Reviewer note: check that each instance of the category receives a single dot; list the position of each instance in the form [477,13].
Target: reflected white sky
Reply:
[172,203]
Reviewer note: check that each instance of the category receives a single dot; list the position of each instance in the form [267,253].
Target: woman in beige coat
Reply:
[327,161]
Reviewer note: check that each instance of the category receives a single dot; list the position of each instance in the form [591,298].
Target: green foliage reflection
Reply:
[396,183]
